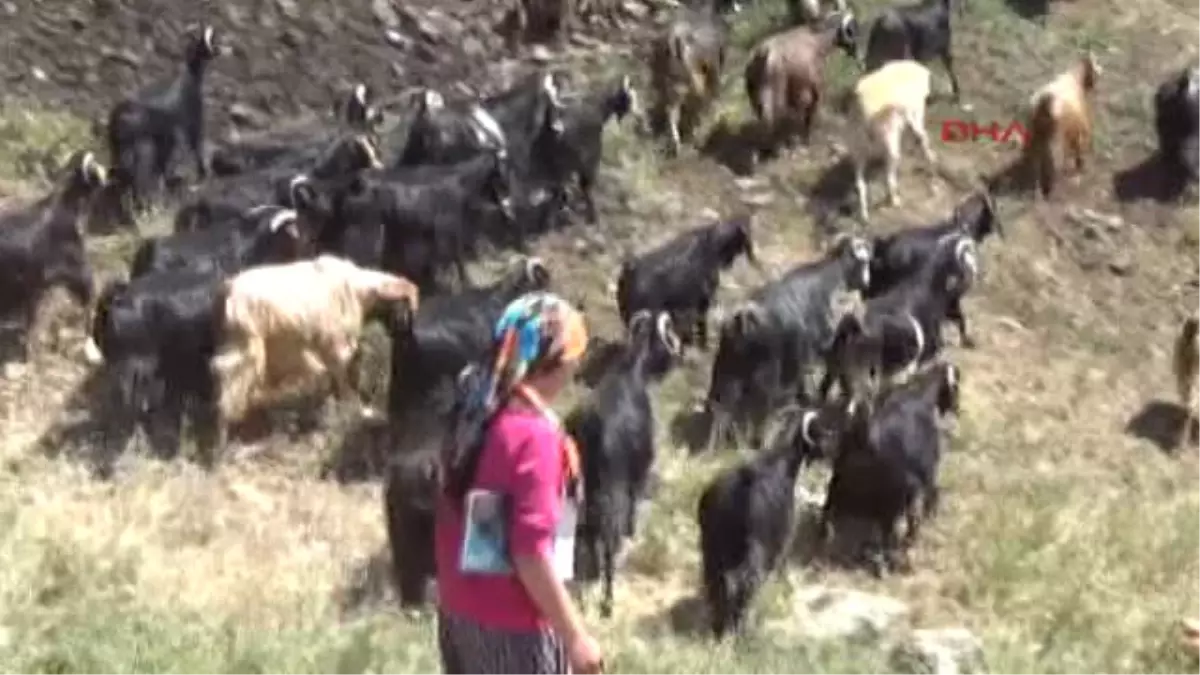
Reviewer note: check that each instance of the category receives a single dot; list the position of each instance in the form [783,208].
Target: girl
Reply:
[506,519]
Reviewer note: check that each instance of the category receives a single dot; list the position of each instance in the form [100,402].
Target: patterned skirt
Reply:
[467,647]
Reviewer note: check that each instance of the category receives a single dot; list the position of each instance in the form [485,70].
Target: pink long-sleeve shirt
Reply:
[522,458]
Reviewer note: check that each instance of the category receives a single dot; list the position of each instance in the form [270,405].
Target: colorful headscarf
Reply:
[534,329]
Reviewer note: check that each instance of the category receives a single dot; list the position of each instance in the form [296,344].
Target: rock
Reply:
[1122,264]
[823,613]
[635,9]
[945,651]
[13,370]
[385,13]
[540,54]
[472,46]
[38,74]
[246,115]
[124,55]
[397,39]
[288,8]
[10,8]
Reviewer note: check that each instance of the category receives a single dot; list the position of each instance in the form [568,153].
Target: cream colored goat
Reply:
[886,102]
[288,325]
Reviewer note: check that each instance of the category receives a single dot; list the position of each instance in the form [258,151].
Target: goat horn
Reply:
[805,427]
[667,334]
[281,220]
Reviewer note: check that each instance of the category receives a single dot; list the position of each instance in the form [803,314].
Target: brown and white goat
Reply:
[784,76]
[284,326]
[1060,114]
[1186,363]
[887,101]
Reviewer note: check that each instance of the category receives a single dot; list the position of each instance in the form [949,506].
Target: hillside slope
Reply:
[1067,542]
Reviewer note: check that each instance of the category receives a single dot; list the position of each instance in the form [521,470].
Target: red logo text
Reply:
[964,131]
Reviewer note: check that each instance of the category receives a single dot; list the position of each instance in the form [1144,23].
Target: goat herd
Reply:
[295,239]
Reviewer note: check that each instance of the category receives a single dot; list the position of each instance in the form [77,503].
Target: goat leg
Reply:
[956,314]
[610,565]
[948,62]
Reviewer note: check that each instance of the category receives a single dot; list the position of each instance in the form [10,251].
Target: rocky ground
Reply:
[1068,541]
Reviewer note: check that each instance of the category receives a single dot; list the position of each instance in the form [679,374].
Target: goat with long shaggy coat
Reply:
[886,102]
[1061,115]
[284,324]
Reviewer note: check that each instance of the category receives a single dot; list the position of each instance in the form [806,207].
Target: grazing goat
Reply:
[263,235]
[511,120]
[1061,115]
[149,125]
[576,152]
[409,501]
[42,245]
[886,102]
[919,32]
[614,429]
[427,213]
[1186,363]
[902,254]
[449,332]
[747,515]
[1177,121]
[291,145]
[682,276]
[285,323]
[784,76]
[768,345]
[888,457]
[155,336]
[224,200]
[685,70]
[901,329]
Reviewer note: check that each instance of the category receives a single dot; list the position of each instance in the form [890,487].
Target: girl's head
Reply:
[538,342]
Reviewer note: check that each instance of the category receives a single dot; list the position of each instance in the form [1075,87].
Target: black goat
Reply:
[902,254]
[156,336]
[293,145]
[888,458]
[428,214]
[767,346]
[264,235]
[614,430]
[902,327]
[747,515]
[409,501]
[448,333]
[917,31]
[42,245]
[509,120]
[224,200]
[576,151]
[682,275]
[1177,121]
[144,130]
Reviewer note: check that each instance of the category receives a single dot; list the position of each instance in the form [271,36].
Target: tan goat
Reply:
[887,101]
[1060,115]
[784,76]
[1186,364]
[288,325]
[685,70]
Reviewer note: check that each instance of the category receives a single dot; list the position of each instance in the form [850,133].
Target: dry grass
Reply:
[1066,542]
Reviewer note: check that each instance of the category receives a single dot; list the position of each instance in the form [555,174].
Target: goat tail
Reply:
[1039,146]
[241,361]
